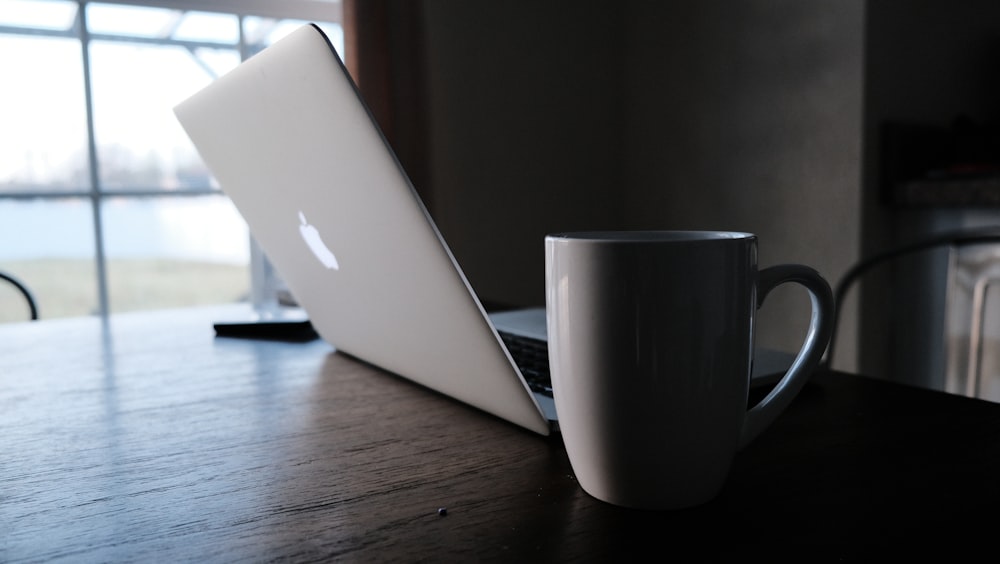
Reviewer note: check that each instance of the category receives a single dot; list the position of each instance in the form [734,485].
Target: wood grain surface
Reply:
[148,439]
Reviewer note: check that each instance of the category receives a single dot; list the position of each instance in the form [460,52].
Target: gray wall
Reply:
[524,108]
[694,115]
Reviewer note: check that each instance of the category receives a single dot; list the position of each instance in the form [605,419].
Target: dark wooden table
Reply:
[147,438]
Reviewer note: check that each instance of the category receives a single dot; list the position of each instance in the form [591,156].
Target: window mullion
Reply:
[95,177]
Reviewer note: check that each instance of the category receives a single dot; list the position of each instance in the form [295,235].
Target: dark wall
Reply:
[667,115]
[747,116]
[525,110]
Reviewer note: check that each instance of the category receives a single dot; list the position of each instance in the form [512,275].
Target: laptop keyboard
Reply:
[532,357]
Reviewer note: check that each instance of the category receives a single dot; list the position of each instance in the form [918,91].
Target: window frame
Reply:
[96,194]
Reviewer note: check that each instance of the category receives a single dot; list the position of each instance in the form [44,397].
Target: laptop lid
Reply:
[293,145]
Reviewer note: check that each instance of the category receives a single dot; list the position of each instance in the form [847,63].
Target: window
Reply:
[105,205]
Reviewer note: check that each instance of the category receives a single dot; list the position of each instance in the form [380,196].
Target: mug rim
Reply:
[651,236]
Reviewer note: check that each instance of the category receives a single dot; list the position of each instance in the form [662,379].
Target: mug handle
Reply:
[760,416]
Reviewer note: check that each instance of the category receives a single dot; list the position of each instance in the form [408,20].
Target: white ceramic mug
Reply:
[651,338]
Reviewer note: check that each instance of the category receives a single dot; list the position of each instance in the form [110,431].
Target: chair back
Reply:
[24,291]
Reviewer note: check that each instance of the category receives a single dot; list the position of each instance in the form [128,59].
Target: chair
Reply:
[32,305]
[972,385]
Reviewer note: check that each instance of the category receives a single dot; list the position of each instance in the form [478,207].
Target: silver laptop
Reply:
[293,145]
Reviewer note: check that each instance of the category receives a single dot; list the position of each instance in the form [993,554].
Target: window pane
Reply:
[171,252]
[133,21]
[43,120]
[204,26]
[140,144]
[48,244]
[52,15]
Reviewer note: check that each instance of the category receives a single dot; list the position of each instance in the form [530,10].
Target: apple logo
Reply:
[315,243]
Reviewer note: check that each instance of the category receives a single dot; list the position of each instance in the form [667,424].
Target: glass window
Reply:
[204,26]
[43,115]
[32,14]
[172,251]
[140,144]
[48,244]
[105,205]
[132,21]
